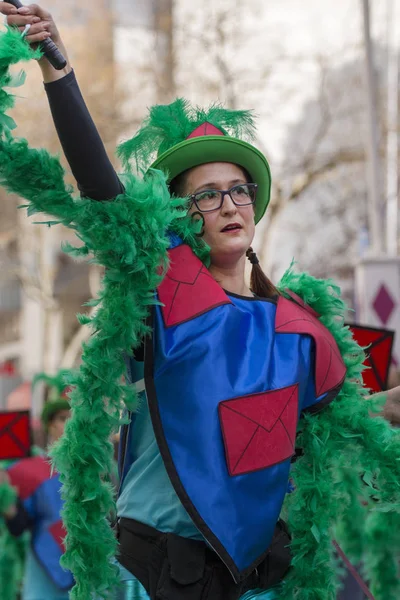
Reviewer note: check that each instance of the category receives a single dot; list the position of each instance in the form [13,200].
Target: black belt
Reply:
[171,567]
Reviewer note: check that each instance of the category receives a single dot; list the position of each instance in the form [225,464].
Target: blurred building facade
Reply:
[41,288]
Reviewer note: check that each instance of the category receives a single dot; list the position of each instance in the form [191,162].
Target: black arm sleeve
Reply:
[80,140]
[21,522]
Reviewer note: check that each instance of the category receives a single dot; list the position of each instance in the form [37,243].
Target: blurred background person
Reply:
[37,510]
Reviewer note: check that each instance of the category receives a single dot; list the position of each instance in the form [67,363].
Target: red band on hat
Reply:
[205,129]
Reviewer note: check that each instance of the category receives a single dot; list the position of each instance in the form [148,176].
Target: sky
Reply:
[307,32]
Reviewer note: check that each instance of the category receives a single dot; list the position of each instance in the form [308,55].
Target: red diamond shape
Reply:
[383,304]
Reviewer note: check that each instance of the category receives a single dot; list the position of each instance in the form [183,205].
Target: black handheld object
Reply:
[50,50]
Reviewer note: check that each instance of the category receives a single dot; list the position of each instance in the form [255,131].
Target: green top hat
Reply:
[177,137]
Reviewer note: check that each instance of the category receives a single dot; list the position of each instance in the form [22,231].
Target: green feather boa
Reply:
[341,445]
[12,559]
[8,497]
[12,550]
[348,475]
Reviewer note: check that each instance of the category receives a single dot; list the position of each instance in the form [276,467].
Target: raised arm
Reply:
[79,138]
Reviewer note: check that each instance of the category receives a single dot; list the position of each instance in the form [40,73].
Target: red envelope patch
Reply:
[378,354]
[15,435]
[188,289]
[330,370]
[259,430]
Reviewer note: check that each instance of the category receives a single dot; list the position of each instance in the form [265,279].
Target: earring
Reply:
[196,217]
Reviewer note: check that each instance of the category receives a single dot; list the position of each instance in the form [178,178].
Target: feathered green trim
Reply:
[11,549]
[12,561]
[8,497]
[167,125]
[350,473]
[11,52]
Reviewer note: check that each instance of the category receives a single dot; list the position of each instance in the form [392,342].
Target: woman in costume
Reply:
[36,504]
[230,376]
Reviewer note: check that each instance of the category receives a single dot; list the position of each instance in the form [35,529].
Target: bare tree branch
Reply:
[280,200]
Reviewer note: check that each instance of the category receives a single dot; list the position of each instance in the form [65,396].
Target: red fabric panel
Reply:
[259,430]
[188,290]
[301,302]
[365,335]
[15,438]
[381,355]
[28,474]
[370,380]
[378,354]
[330,370]
[205,129]
[58,532]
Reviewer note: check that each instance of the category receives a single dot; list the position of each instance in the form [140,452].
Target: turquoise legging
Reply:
[132,590]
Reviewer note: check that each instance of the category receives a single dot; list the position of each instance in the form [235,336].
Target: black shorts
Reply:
[171,567]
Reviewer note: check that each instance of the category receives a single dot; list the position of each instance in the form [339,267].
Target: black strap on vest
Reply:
[171,567]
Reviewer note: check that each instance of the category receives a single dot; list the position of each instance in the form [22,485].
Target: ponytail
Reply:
[260,285]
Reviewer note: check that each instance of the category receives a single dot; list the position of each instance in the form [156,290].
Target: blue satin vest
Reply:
[227,379]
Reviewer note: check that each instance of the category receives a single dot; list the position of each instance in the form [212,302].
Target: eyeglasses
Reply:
[209,200]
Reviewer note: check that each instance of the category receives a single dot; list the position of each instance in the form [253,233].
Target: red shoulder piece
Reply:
[330,370]
[188,289]
[28,474]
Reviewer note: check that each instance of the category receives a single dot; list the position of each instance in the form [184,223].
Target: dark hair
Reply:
[178,184]
[260,284]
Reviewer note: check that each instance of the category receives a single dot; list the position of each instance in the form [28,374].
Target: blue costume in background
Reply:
[40,506]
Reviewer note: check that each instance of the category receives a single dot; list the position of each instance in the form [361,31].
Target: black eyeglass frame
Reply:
[251,186]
